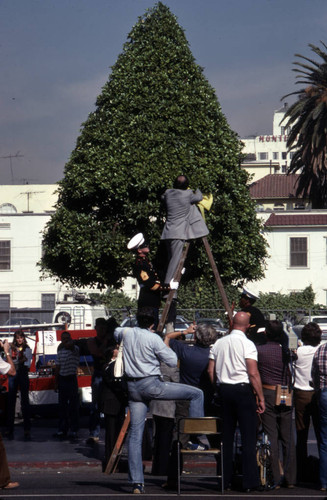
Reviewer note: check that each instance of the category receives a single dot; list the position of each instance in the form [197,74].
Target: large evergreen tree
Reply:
[157,117]
[307,118]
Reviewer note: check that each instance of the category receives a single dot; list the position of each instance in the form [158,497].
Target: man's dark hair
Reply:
[311,334]
[111,324]
[100,321]
[145,317]
[274,331]
[181,182]
[65,332]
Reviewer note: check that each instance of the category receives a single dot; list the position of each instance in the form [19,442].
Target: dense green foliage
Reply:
[200,298]
[117,303]
[157,117]
[307,118]
[298,300]
[203,294]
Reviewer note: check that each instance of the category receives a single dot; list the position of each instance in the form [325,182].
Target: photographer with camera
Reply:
[6,368]
[273,366]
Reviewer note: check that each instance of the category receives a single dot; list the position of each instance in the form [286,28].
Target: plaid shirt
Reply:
[271,367]
[319,368]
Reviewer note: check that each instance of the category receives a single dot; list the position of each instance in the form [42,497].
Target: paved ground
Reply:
[48,468]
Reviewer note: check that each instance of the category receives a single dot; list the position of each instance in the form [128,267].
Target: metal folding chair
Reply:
[209,426]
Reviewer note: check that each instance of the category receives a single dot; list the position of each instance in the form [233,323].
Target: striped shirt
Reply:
[68,360]
[319,368]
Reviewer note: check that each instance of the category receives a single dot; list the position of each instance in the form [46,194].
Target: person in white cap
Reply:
[148,279]
[257,319]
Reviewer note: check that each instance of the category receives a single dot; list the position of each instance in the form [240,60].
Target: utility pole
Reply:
[10,157]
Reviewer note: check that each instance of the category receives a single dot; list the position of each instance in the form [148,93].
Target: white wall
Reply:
[31,207]
[280,277]
[22,281]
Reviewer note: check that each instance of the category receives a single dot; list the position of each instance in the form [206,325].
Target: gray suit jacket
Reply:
[184,220]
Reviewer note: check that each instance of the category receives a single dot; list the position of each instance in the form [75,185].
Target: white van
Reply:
[78,313]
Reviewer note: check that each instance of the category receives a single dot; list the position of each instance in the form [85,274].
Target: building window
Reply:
[284,155]
[279,206]
[263,156]
[292,154]
[250,157]
[284,169]
[4,301]
[4,255]
[275,156]
[285,130]
[8,208]
[48,300]
[299,252]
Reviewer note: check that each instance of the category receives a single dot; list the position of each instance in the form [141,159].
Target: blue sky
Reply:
[55,56]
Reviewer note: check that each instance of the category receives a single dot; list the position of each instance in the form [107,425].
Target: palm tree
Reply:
[307,119]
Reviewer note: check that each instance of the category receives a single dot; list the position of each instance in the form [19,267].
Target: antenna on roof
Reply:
[29,194]
[17,155]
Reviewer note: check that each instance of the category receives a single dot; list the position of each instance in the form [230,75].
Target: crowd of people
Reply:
[248,385]
[248,377]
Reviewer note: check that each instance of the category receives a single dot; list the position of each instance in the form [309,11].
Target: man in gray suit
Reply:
[184,221]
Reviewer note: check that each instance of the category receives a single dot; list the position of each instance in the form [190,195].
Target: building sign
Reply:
[273,138]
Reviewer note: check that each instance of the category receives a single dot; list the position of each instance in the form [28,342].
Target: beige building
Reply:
[24,212]
[267,154]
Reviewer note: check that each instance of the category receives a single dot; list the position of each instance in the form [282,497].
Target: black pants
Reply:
[239,406]
[68,403]
[162,444]
[113,425]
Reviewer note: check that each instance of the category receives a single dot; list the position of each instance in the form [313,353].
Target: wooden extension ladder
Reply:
[117,451]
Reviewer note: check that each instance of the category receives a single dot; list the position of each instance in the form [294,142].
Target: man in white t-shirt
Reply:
[233,367]
[6,368]
[305,398]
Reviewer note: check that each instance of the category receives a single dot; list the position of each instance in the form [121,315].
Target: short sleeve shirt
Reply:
[4,366]
[303,366]
[193,361]
[68,361]
[230,354]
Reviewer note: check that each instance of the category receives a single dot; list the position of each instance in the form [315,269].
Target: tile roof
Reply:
[298,219]
[275,186]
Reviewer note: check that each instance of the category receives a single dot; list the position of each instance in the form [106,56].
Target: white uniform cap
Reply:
[249,294]
[135,242]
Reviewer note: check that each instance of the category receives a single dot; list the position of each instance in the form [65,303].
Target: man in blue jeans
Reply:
[143,352]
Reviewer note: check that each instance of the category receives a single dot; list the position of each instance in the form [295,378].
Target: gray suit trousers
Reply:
[175,249]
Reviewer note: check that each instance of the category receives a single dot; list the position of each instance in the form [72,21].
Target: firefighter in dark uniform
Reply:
[150,286]
[257,320]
